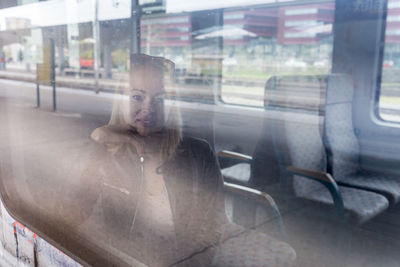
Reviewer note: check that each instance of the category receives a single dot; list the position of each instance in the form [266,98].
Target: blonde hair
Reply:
[172,132]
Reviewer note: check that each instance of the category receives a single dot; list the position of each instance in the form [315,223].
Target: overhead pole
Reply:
[53,72]
[37,87]
[96,44]
[135,27]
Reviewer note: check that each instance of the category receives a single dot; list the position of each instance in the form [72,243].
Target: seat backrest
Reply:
[339,136]
[265,166]
[296,127]
[283,93]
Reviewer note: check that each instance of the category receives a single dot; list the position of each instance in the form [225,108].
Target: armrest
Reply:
[256,195]
[234,155]
[261,197]
[323,178]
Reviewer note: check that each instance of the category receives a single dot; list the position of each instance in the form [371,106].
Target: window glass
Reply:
[235,51]
[112,113]
[261,44]
[389,100]
[96,156]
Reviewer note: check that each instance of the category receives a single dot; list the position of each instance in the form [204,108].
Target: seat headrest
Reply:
[340,89]
[303,93]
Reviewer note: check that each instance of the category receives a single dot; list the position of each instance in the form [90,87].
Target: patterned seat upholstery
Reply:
[342,143]
[360,205]
[294,135]
[260,175]
[298,142]
[262,250]
[384,184]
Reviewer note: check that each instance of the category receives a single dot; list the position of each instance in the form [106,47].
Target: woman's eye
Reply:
[137,97]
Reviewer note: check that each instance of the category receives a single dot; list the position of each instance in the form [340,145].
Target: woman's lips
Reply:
[145,122]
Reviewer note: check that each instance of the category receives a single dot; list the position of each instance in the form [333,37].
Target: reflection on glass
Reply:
[389,99]
[154,195]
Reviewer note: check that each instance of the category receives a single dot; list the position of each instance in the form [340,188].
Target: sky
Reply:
[59,12]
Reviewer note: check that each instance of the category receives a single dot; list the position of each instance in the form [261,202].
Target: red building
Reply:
[305,24]
[261,22]
[301,24]
[393,22]
[166,31]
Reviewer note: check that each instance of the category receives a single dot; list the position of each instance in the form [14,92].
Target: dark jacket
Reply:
[193,182]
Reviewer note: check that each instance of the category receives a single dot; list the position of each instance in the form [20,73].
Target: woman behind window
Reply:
[157,195]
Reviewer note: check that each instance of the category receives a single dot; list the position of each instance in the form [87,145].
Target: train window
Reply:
[389,101]
[94,157]
[259,44]
[236,50]
[123,123]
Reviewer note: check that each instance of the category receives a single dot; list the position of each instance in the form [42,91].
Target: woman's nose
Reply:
[147,107]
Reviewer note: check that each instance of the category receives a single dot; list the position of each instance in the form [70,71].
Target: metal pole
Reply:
[96,37]
[37,95]
[37,87]
[135,27]
[148,36]
[220,42]
[53,73]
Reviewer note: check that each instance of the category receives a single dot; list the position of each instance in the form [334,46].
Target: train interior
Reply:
[305,124]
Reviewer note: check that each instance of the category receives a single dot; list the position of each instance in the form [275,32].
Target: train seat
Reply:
[343,146]
[261,170]
[293,134]
[303,162]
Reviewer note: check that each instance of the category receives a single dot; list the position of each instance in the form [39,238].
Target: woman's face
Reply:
[145,111]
